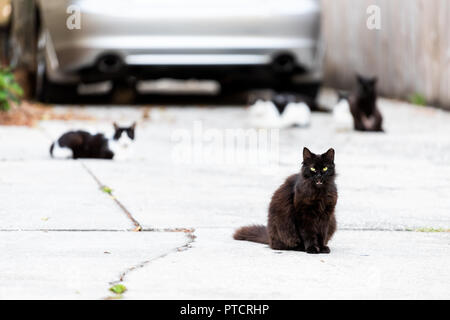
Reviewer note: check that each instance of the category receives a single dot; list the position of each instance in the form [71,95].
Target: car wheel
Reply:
[45,90]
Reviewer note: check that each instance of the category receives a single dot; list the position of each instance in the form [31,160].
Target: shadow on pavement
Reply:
[128,96]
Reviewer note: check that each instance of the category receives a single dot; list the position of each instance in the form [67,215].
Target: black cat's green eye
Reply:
[325,169]
[313,169]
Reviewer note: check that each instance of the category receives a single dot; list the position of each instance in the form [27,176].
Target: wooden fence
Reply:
[410,53]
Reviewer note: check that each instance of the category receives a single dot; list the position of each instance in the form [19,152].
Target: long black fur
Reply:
[363,106]
[301,213]
[85,145]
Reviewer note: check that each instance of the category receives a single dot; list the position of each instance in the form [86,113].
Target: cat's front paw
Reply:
[325,249]
[313,250]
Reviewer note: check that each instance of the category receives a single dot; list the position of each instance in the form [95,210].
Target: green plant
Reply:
[107,190]
[418,99]
[10,90]
[118,289]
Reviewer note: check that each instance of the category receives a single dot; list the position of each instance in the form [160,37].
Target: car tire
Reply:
[45,90]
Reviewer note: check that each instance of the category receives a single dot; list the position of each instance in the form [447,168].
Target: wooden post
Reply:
[23,44]
[23,34]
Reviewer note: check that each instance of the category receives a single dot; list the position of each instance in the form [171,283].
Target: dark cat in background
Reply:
[363,105]
[301,213]
[84,145]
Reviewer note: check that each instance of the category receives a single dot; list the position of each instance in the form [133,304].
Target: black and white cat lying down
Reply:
[84,145]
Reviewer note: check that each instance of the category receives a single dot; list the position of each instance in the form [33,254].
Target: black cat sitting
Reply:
[301,212]
[363,106]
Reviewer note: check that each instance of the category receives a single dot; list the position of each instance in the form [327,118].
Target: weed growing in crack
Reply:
[118,288]
[107,190]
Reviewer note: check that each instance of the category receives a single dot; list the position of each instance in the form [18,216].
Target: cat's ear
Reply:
[133,126]
[307,154]
[116,126]
[360,78]
[329,155]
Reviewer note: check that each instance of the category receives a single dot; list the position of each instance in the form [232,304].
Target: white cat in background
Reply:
[296,114]
[343,119]
[265,114]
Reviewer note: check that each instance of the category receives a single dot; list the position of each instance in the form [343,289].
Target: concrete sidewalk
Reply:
[61,236]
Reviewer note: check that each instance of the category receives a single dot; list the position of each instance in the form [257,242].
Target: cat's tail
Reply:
[51,149]
[58,152]
[253,233]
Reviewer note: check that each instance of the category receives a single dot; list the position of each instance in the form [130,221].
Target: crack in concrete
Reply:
[137,225]
[66,230]
[375,229]
[419,230]
[339,229]
[187,245]
[190,239]
[189,232]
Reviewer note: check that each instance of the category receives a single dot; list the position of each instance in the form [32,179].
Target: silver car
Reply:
[245,43]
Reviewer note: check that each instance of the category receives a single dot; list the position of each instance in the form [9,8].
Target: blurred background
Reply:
[410,53]
[284,45]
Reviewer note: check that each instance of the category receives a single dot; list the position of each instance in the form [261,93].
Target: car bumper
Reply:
[156,37]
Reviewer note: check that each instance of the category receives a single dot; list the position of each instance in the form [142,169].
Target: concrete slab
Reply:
[55,195]
[386,181]
[74,265]
[371,196]
[362,265]
[22,143]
